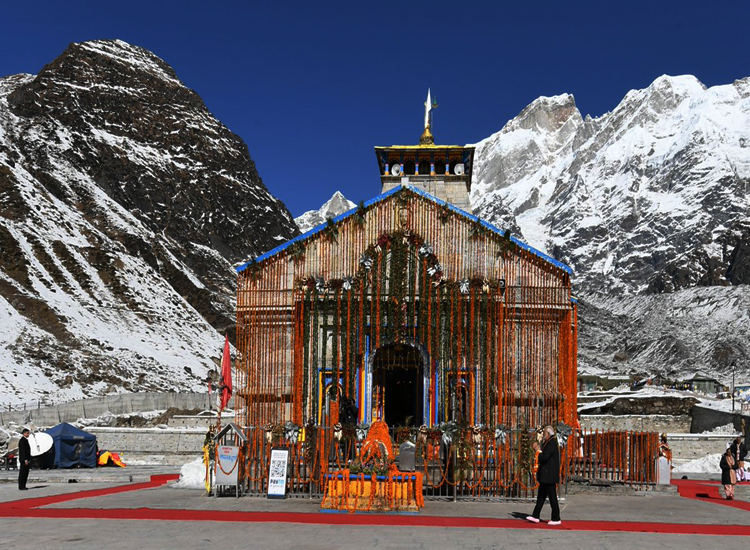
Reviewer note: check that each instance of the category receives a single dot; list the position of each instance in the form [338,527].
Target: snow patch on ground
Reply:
[707,465]
[192,475]
[726,429]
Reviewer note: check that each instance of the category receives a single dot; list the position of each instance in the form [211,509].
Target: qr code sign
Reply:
[278,468]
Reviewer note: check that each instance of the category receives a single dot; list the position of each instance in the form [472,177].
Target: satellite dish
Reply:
[459,170]
[396,170]
[40,443]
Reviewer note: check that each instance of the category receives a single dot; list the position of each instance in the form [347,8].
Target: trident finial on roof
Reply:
[429,105]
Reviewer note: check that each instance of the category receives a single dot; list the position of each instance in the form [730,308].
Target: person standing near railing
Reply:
[24,459]
[664,449]
[728,475]
[548,476]
[739,452]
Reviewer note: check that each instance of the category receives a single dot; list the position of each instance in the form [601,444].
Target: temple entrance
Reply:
[398,385]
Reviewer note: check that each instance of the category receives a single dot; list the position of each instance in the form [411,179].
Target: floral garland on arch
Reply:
[400,293]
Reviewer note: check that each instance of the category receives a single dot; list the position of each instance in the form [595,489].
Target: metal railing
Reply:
[471,466]
[606,457]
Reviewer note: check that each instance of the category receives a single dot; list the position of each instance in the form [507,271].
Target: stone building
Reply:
[409,307]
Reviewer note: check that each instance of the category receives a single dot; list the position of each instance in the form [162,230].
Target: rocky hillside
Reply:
[650,205]
[337,204]
[123,205]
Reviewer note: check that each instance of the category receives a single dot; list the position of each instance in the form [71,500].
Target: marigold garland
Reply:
[492,316]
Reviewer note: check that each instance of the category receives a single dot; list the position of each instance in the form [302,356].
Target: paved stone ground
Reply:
[145,534]
[650,508]
[130,534]
[90,475]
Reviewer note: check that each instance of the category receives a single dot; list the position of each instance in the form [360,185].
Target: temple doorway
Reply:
[398,384]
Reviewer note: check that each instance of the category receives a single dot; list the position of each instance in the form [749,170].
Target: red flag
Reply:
[226,375]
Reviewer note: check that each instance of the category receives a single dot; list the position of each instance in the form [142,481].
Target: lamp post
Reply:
[734,365]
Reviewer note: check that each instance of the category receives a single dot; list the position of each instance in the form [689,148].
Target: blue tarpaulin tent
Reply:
[73,447]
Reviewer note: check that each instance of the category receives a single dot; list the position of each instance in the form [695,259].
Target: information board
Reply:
[226,465]
[277,473]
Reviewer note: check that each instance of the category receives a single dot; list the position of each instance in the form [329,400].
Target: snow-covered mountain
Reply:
[629,198]
[123,205]
[650,198]
[337,204]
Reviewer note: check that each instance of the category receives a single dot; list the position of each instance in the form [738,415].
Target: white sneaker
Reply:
[532,519]
[558,522]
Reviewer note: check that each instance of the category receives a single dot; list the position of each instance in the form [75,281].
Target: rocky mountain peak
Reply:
[124,205]
[648,199]
[336,205]
[546,114]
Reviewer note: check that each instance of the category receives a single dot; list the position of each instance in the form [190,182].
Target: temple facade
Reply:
[407,309]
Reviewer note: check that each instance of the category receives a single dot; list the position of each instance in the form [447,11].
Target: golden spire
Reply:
[429,105]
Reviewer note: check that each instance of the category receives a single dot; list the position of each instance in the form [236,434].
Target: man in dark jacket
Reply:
[24,459]
[548,476]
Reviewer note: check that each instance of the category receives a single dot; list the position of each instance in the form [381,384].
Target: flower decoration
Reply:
[563,433]
[331,230]
[362,430]
[383,241]
[296,251]
[359,217]
[449,431]
[463,286]
[336,284]
[476,434]
[415,240]
[422,434]
[366,262]
[338,431]
[291,432]
[501,434]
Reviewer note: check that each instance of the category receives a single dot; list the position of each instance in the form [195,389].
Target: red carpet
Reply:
[30,508]
[29,503]
[707,491]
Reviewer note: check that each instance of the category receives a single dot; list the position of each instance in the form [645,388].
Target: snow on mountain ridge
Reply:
[639,161]
[649,197]
[123,204]
[131,56]
[336,205]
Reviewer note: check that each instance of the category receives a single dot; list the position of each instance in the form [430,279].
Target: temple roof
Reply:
[425,146]
[420,192]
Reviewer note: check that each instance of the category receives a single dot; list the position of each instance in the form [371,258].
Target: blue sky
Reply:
[312,86]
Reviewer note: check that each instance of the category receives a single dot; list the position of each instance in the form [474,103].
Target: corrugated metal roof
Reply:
[421,193]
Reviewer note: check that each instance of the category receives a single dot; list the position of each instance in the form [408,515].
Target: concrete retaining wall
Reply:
[152,445]
[125,403]
[686,447]
[198,421]
[705,419]
[641,423]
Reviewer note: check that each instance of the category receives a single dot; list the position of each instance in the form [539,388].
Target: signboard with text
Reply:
[226,465]
[277,473]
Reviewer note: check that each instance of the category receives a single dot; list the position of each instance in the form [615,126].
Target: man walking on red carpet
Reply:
[548,476]
[24,458]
